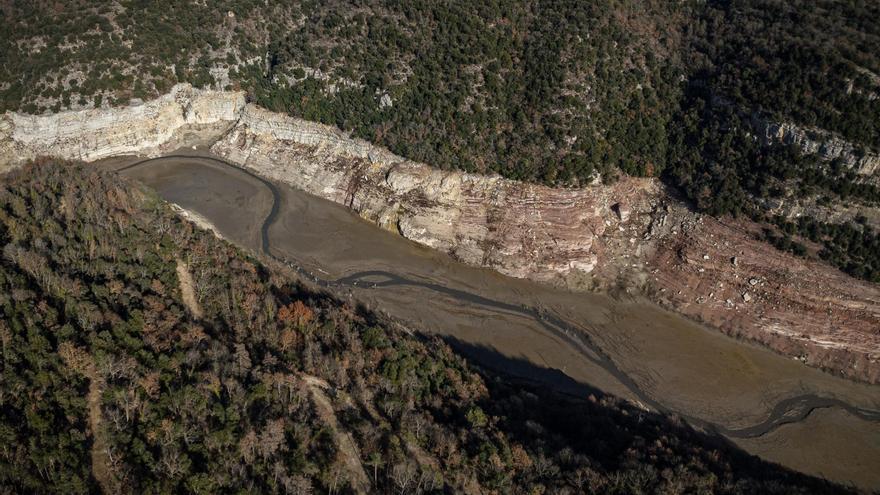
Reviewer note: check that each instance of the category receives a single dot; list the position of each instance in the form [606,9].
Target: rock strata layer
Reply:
[147,128]
[632,233]
[521,230]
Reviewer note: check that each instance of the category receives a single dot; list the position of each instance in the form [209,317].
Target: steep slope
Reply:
[532,90]
[227,401]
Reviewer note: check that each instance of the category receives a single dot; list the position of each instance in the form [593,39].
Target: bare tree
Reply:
[404,476]
[299,485]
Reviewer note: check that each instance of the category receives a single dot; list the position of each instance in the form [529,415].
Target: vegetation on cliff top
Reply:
[108,379]
[535,90]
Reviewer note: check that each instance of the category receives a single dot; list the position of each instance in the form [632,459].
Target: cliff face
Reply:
[715,271]
[632,232]
[828,147]
[521,230]
[139,129]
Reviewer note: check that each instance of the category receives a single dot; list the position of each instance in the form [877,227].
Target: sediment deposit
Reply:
[632,234]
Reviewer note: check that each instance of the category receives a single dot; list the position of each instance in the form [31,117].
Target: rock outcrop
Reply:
[821,143]
[839,212]
[632,233]
[715,271]
[145,128]
[521,230]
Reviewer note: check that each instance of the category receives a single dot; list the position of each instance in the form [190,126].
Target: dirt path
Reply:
[82,362]
[100,458]
[186,288]
[348,451]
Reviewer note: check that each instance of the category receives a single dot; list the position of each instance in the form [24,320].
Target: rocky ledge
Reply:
[146,128]
[825,145]
[521,230]
[631,234]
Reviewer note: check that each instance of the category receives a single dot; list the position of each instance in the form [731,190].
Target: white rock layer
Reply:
[820,143]
[99,133]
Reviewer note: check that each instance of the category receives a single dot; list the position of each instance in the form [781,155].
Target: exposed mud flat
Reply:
[630,348]
[216,192]
[829,443]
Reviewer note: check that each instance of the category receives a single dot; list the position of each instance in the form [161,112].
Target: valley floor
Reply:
[575,342]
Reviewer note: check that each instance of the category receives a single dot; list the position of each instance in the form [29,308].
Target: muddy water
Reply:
[769,405]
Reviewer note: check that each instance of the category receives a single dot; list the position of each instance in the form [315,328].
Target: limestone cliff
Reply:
[865,163]
[146,128]
[632,233]
[521,230]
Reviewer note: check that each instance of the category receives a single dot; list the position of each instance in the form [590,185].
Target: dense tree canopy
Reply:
[537,90]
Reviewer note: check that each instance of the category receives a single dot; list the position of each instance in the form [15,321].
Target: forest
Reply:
[550,91]
[110,381]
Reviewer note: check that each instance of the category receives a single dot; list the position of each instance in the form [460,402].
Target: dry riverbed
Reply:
[770,405]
